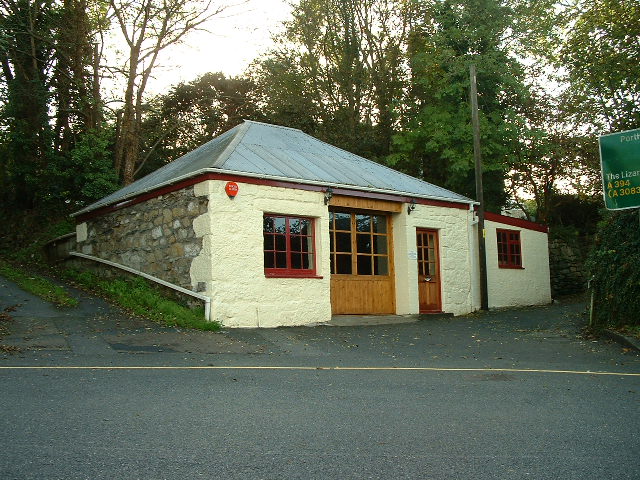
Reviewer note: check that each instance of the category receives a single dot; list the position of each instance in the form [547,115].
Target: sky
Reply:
[234,38]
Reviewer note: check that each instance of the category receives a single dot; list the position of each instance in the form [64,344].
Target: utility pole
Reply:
[484,298]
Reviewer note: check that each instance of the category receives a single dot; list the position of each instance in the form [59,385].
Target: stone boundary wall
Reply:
[566,262]
[155,237]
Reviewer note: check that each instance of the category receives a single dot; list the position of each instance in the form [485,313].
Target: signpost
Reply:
[620,162]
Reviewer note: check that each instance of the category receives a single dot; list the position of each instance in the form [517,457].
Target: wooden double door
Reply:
[429,284]
[362,274]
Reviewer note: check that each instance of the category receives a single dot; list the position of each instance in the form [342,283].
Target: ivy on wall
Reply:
[614,267]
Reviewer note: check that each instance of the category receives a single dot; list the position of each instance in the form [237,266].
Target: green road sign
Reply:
[620,161]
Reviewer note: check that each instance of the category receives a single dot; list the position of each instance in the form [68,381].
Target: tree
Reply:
[26,54]
[602,55]
[337,72]
[148,27]
[191,114]
[75,82]
[548,160]
[436,140]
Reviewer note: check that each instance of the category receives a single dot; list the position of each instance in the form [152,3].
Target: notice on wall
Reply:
[413,255]
[620,163]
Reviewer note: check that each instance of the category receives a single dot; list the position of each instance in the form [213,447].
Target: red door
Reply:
[428,271]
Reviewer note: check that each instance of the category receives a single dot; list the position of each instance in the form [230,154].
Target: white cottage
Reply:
[279,228]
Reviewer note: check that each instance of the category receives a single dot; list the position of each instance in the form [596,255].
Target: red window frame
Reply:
[275,249]
[509,248]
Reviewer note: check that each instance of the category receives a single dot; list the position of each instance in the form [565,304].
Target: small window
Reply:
[509,249]
[288,246]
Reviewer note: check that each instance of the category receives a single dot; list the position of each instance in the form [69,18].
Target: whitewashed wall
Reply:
[456,266]
[530,285]
[231,263]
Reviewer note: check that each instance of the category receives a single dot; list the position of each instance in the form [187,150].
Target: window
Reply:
[359,243]
[288,246]
[509,249]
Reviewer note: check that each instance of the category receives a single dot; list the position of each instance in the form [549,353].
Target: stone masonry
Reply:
[155,237]
[568,275]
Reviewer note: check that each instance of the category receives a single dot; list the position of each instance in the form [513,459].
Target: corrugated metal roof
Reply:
[271,151]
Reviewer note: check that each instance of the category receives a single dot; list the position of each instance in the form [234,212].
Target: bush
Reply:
[614,266]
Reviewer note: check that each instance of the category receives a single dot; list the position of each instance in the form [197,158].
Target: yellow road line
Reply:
[257,367]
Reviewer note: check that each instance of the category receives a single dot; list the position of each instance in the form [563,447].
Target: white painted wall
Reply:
[231,263]
[454,232]
[530,285]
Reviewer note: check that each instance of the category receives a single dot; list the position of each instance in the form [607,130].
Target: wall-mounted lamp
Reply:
[328,193]
[411,207]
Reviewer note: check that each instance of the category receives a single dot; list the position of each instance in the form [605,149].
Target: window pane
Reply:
[420,237]
[431,241]
[363,223]
[306,244]
[379,244]
[420,258]
[343,264]
[269,261]
[343,242]
[296,261]
[333,266]
[380,223]
[307,261]
[267,225]
[294,226]
[281,260]
[295,244]
[364,243]
[381,265]
[268,242]
[343,221]
[280,224]
[305,226]
[432,268]
[364,265]
[281,243]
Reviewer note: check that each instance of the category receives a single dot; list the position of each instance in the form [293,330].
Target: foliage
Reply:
[138,297]
[26,233]
[148,27]
[191,114]
[86,173]
[613,265]
[37,285]
[602,56]
[548,158]
[337,72]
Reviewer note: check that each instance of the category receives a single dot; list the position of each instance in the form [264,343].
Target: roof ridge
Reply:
[228,150]
[273,125]
[384,166]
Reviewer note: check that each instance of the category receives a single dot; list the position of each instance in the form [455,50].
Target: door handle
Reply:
[427,279]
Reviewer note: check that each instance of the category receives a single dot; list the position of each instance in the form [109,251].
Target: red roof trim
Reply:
[516,222]
[261,181]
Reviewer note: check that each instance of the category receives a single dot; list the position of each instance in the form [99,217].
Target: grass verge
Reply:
[37,285]
[140,298]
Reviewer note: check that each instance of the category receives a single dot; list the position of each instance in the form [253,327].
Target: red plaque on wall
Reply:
[231,188]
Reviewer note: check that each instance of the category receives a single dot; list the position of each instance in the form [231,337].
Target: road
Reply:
[504,395]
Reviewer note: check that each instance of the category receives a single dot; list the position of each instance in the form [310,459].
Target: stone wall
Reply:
[155,237]
[568,275]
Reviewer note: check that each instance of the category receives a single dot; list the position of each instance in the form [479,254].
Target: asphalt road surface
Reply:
[505,395]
